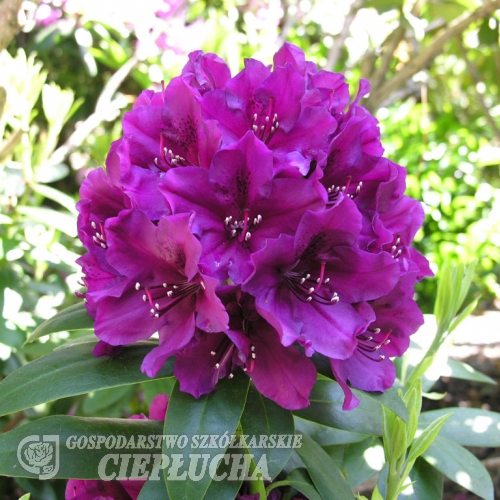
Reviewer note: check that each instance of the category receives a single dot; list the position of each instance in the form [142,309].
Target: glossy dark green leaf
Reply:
[154,490]
[81,461]
[299,479]
[99,400]
[390,399]
[467,426]
[224,489]
[215,415]
[326,476]
[326,408]
[363,460]
[461,466]
[74,317]
[263,417]
[74,370]
[427,482]
[325,436]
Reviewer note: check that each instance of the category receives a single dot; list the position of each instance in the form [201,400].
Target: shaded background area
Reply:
[72,68]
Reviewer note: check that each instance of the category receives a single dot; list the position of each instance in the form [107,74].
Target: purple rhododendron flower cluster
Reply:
[252,221]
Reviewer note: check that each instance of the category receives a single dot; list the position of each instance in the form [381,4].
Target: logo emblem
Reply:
[39,455]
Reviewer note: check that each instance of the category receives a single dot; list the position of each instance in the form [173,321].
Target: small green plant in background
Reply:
[37,220]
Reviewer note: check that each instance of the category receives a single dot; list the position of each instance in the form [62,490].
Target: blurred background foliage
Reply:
[72,68]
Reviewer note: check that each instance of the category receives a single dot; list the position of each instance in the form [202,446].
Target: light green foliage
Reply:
[454,284]
[37,250]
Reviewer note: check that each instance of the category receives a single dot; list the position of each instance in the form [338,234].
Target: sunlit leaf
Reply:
[461,466]
[467,426]
[72,318]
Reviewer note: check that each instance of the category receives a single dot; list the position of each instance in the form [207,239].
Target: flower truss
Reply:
[252,221]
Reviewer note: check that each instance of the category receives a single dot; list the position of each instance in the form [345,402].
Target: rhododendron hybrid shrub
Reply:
[252,221]
[248,258]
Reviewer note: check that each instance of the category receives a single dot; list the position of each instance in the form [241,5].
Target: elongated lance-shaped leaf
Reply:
[326,476]
[467,426]
[72,318]
[83,448]
[461,466]
[423,441]
[326,408]
[394,438]
[216,416]
[71,371]
[300,480]
[453,286]
[413,401]
[261,420]
[464,371]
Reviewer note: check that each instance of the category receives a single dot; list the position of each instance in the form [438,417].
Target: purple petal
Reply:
[360,275]
[211,315]
[365,374]
[308,136]
[104,349]
[333,89]
[185,132]
[242,172]
[78,489]
[141,250]
[280,373]
[350,400]
[125,319]
[195,366]
[143,125]
[292,54]
[158,407]
[205,72]
[337,226]
[174,336]
[280,94]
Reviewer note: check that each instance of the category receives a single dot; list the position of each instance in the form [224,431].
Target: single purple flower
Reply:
[166,130]
[370,368]
[306,286]
[282,374]
[269,104]
[238,205]
[167,293]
